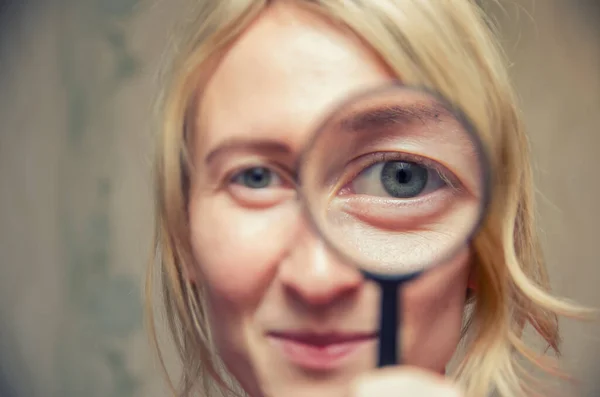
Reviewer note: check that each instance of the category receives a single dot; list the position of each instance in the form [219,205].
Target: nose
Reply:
[312,273]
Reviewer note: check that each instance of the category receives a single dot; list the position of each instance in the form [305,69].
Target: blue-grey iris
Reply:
[403,179]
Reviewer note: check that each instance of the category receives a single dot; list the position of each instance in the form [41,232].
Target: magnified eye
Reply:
[398,179]
[257,178]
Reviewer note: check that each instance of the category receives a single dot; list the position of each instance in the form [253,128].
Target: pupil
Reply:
[258,177]
[403,176]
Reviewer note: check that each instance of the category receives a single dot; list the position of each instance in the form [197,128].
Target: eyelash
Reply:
[367,160]
[287,177]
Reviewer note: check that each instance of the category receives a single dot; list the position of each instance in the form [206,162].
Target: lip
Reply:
[319,351]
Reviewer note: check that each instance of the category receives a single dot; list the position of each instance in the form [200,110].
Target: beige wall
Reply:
[557,73]
[77,79]
[75,203]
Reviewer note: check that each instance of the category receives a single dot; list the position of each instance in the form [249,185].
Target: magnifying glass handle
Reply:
[388,331]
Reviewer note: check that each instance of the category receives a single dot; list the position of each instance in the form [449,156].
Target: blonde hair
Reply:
[447,45]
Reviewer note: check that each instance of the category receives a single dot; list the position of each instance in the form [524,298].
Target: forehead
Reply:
[281,76]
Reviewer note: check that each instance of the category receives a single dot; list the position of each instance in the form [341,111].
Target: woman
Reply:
[248,304]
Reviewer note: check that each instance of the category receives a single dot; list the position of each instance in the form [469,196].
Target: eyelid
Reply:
[367,160]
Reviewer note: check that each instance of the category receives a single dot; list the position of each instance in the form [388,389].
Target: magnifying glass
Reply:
[396,181]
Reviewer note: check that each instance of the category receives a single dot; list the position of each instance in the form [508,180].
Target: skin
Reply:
[262,266]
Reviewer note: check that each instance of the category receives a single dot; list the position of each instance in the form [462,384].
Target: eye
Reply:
[260,186]
[257,178]
[398,179]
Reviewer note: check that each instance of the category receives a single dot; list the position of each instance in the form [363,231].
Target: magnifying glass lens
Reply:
[395,181]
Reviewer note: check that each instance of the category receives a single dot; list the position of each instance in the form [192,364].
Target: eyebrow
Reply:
[386,116]
[379,117]
[247,144]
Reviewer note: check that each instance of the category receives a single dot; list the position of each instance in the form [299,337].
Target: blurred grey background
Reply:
[77,79]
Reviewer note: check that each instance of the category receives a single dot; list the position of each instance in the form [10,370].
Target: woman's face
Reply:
[288,318]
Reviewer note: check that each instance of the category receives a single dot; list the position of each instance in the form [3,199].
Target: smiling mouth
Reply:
[319,352]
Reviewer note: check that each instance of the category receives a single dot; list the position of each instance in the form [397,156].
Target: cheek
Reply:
[433,312]
[237,250]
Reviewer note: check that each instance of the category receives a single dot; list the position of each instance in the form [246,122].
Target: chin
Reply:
[311,388]
[278,383]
